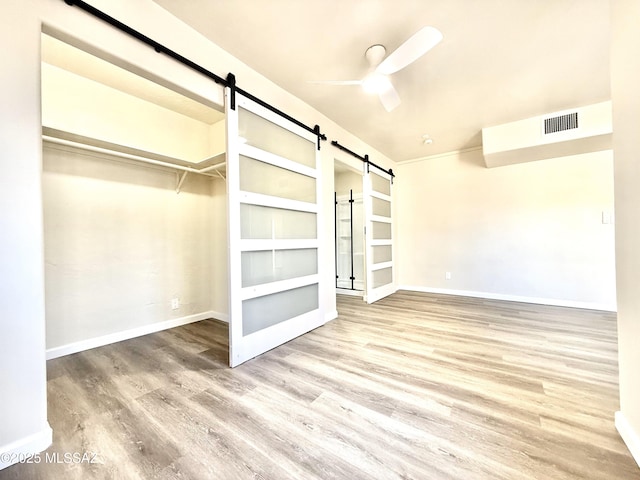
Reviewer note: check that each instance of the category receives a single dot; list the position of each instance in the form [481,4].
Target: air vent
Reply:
[561,123]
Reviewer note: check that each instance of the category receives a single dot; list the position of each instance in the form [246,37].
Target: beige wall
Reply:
[345,181]
[77,105]
[625,79]
[529,232]
[120,243]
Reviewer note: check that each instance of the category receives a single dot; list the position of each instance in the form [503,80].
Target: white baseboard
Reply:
[82,345]
[514,298]
[353,293]
[32,444]
[223,317]
[629,436]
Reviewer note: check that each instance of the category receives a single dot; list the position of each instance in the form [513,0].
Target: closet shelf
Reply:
[213,166]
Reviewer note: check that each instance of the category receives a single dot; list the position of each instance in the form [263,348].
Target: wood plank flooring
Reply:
[417,386]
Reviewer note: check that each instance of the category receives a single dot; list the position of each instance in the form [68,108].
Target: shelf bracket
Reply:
[180,180]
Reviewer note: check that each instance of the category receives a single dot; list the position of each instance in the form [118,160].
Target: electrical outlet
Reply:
[175,303]
[447,276]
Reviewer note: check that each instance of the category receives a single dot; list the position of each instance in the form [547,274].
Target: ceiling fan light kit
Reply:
[377,80]
[376,83]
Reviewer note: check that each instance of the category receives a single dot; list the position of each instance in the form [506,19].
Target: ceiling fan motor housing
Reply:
[375,54]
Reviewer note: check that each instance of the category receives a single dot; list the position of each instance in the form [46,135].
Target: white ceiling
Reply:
[499,61]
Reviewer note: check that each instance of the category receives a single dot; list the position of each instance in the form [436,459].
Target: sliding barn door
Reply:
[273,196]
[378,234]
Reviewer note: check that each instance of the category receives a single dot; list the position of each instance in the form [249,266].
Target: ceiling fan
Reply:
[377,80]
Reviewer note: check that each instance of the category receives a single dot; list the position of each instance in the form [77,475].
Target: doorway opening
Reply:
[349,230]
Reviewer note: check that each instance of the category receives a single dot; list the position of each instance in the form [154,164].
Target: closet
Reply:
[134,203]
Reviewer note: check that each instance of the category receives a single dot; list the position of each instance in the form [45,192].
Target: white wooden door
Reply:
[378,234]
[273,197]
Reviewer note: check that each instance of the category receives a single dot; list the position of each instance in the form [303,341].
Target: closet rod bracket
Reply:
[180,180]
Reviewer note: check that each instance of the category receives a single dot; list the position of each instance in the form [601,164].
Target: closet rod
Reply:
[160,48]
[365,159]
[128,156]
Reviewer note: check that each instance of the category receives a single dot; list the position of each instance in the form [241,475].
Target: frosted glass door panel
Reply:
[262,312]
[273,265]
[270,137]
[258,222]
[380,184]
[260,177]
[381,253]
[380,207]
[382,277]
[381,231]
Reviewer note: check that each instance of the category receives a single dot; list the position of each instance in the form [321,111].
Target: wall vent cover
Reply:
[561,123]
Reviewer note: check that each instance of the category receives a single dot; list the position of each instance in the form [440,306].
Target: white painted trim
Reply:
[223,317]
[276,160]
[381,196]
[29,445]
[332,315]
[348,292]
[380,219]
[270,288]
[440,155]
[276,202]
[382,265]
[381,243]
[630,437]
[95,342]
[261,244]
[513,298]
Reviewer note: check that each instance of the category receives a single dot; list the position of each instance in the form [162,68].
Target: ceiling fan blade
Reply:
[389,98]
[417,45]
[335,82]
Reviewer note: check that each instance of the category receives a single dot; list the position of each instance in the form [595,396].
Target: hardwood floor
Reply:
[416,386]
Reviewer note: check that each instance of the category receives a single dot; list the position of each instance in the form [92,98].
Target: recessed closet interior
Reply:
[134,202]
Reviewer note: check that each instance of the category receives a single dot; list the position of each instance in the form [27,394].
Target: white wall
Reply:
[23,419]
[120,243]
[22,339]
[529,232]
[625,78]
